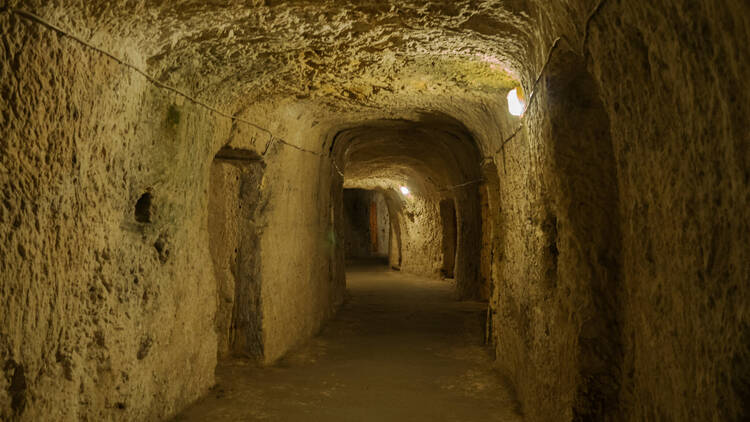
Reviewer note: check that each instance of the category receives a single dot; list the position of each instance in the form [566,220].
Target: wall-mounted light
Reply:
[404,190]
[516,105]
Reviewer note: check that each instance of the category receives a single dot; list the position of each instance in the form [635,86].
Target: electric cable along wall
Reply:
[273,138]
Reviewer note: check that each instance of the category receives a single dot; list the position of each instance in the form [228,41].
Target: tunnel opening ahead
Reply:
[367,227]
[427,169]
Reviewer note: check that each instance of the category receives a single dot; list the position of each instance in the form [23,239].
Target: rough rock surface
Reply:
[620,261]
[102,304]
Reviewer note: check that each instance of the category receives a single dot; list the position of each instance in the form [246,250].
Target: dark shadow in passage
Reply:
[450,237]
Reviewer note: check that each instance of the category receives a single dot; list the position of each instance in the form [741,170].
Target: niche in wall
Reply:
[143,208]
[450,237]
[234,196]
[394,204]
[582,231]
[491,254]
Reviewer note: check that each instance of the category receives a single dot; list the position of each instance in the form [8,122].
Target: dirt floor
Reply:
[400,349]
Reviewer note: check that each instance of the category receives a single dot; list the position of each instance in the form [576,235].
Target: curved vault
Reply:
[429,155]
[341,54]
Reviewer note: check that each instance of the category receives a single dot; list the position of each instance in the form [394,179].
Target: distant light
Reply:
[515,104]
[404,190]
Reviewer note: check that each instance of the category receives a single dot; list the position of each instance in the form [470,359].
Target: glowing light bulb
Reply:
[515,104]
[404,190]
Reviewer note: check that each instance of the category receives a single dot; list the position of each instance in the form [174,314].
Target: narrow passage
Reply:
[400,349]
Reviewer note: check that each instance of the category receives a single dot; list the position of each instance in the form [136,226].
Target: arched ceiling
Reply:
[328,63]
[340,53]
[428,155]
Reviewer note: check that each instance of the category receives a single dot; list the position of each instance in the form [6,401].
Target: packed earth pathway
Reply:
[400,349]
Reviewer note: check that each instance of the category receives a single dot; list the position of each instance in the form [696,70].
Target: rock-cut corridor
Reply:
[556,194]
[400,349]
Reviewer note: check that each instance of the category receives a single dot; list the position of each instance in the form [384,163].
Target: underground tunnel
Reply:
[466,210]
